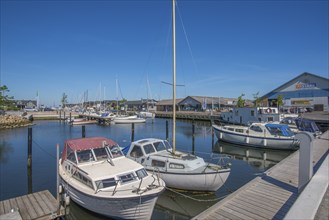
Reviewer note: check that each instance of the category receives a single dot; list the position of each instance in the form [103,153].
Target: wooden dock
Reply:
[40,205]
[269,196]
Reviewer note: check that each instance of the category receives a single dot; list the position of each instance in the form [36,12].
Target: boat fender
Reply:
[66,199]
[60,189]
[268,110]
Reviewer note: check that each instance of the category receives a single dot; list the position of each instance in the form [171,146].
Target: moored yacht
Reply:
[262,135]
[178,169]
[97,176]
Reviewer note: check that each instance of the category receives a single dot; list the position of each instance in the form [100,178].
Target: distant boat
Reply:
[261,135]
[146,114]
[97,176]
[128,119]
[81,121]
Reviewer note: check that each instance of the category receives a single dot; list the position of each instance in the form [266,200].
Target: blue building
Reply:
[305,92]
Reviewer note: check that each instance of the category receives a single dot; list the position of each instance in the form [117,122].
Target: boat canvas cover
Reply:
[285,130]
[307,125]
[85,143]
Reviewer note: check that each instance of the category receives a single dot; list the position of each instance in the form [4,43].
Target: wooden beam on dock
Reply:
[271,195]
[39,205]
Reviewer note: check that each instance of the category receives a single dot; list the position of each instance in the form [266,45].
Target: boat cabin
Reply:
[157,154]
[88,159]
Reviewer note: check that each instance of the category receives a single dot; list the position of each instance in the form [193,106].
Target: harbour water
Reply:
[16,180]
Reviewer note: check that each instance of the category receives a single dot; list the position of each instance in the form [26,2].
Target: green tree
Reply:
[241,101]
[280,101]
[64,100]
[5,100]
[256,99]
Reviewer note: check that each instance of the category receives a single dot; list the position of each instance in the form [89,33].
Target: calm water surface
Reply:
[247,163]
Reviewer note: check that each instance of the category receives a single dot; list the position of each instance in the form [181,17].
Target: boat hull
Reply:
[137,207]
[208,181]
[256,141]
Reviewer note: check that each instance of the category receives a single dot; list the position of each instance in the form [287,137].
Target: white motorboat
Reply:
[262,135]
[97,176]
[146,114]
[128,119]
[178,169]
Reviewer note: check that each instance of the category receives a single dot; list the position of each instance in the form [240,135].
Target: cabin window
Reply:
[127,178]
[100,153]
[115,151]
[71,157]
[167,145]
[252,113]
[148,148]
[159,146]
[136,152]
[79,176]
[176,166]
[158,163]
[85,156]
[239,130]
[230,129]
[141,173]
[100,184]
[270,119]
[256,128]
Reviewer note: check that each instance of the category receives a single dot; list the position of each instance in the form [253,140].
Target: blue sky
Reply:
[224,48]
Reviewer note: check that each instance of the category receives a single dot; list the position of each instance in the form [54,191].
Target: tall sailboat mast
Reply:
[174,76]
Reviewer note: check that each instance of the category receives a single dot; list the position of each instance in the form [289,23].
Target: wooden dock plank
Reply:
[253,208]
[30,208]
[242,212]
[35,204]
[41,205]
[2,208]
[6,205]
[22,208]
[225,213]
[236,215]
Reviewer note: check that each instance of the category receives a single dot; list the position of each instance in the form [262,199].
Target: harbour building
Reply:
[306,92]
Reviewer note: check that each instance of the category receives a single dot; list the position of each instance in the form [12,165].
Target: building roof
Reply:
[303,75]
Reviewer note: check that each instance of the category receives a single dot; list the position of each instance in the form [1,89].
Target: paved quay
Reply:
[275,195]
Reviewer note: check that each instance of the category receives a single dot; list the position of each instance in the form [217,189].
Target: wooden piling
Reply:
[167,130]
[29,147]
[193,137]
[83,127]
[132,132]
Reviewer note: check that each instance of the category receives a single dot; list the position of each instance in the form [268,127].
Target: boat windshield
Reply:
[101,153]
[168,147]
[283,130]
[115,151]
[85,156]
[159,146]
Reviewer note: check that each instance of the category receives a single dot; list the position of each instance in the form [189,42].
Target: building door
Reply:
[318,107]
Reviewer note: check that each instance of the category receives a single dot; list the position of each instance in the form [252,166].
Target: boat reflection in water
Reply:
[183,204]
[262,159]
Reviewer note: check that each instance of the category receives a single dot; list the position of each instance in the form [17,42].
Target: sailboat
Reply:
[178,169]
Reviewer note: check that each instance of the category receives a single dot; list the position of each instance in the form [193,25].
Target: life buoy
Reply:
[268,110]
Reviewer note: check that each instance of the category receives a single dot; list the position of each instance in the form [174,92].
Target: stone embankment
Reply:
[13,121]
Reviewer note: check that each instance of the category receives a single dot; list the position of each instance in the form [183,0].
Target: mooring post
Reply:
[193,137]
[83,131]
[29,160]
[132,132]
[305,158]
[57,174]
[60,116]
[212,137]
[70,116]
[167,130]
[29,147]
[64,116]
